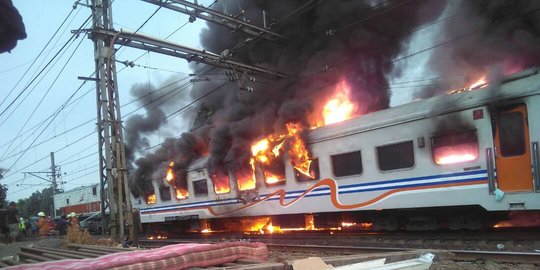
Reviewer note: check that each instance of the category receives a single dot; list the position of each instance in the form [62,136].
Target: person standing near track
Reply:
[43,225]
[12,215]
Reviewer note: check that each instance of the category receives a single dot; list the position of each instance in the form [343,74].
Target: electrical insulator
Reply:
[225,54]
[192,18]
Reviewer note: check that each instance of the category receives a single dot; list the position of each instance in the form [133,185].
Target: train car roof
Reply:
[525,83]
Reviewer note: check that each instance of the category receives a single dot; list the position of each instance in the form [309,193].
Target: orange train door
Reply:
[513,150]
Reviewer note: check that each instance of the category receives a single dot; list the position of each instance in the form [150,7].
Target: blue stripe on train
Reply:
[326,190]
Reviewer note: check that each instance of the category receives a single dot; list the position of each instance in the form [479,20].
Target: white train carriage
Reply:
[451,157]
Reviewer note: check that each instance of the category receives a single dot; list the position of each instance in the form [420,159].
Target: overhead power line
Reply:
[42,70]
[45,94]
[35,59]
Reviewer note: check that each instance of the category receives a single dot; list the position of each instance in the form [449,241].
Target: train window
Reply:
[347,164]
[454,148]
[511,134]
[200,187]
[221,182]
[151,199]
[244,179]
[313,172]
[165,193]
[274,172]
[396,156]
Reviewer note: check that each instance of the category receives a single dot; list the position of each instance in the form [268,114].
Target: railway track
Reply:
[507,241]
[457,248]
[295,251]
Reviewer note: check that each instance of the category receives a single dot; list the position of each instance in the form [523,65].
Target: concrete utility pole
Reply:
[114,187]
[53,173]
[53,183]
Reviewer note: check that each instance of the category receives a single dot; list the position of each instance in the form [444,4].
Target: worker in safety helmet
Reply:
[73,220]
[43,225]
[22,226]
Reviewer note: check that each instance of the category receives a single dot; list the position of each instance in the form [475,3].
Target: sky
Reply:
[25,144]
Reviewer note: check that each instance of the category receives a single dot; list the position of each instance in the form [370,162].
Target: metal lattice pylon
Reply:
[114,187]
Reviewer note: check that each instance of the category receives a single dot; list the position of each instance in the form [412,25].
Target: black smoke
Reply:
[331,42]
[490,37]
[139,125]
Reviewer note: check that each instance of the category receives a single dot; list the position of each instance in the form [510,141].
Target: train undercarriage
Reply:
[472,218]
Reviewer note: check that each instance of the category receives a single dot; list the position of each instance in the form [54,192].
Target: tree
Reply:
[3,194]
[39,201]
[21,206]
[3,190]
[47,201]
[33,205]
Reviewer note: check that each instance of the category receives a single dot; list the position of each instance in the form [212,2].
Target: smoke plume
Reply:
[330,42]
[485,38]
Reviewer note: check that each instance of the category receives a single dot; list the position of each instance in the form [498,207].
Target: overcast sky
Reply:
[72,134]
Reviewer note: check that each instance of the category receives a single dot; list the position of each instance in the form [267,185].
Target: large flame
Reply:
[298,153]
[181,193]
[266,153]
[265,225]
[339,107]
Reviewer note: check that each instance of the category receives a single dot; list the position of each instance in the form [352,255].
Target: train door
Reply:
[513,153]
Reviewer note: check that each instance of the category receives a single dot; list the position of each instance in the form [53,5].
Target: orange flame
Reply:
[259,151]
[245,180]
[170,175]
[298,153]
[267,150]
[151,199]
[339,107]
[520,219]
[455,154]
[181,193]
[272,179]
[481,83]
[221,183]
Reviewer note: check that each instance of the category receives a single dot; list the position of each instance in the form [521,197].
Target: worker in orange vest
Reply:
[43,225]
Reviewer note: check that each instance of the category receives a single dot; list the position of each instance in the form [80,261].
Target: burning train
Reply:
[464,160]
